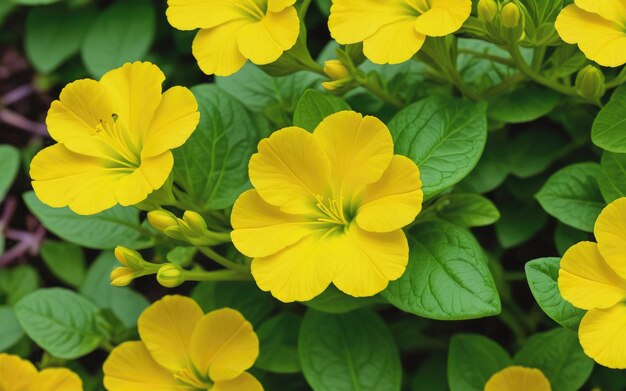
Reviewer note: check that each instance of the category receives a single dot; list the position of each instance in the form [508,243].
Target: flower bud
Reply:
[128,257]
[336,70]
[195,221]
[510,15]
[122,276]
[170,275]
[590,83]
[487,10]
[162,219]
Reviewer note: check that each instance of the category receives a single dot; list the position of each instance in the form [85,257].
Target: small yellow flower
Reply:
[233,31]
[17,374]
[114,139]
[328,206]
[392,31]
[182,349]
[593,277]
[517,378]
[598,28]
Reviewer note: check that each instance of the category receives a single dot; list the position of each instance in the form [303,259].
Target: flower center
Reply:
[188,377]
[332,210]
[420,5]
[113,135]
[253,8]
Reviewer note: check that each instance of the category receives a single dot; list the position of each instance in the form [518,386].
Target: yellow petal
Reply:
[443,17]
[15,373]
[394,43]
[394,200]
[216,49]
[614,10]
[174,120]
[353,21]
[586,281]
[245,382]
[135,90]
[602,335]
[601,40]
[223,345]
[517,378]
[194,14]
[62,177]
[279,5]
[367,261]
[263,42]
[166,327]
[262,229]
[359,148]
[150,176]
[610,232]
[130,367]
[56,379]
[291,170]
[299,272]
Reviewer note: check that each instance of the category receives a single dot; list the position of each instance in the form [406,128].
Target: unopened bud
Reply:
[487,10]
[170,275]
[162,219]
[122,276]
[128,257]
[336,70]
[590,83]
[195,221]
[510,15]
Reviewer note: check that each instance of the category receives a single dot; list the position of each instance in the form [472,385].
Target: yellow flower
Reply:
[517,378]
[114,139]
[17,374]
[328,206]
[598,28]
[593,277]
[233,31]
[392,31]
[182,349]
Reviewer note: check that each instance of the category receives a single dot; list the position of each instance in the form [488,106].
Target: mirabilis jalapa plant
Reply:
[322,222]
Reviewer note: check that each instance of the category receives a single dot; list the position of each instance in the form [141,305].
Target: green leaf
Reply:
[444,136]
[533,150]
[467,210]
[9,165]
[612,181]
[314,106]
[348,352]
[447,277]
[609,128]
[557,353]
[324,6]
[54,34]
[125,303]
[472,360]
[524,104]
[122,33]
[520,221]
[118,226]
[246,297]
[431,374]
[65,260]
[542,275]
[566,236]
[11,330]
[18,282]
[334,301]
[34,2]
[278,337]
[572,195]
[491,170]
[63,323]
[212,166]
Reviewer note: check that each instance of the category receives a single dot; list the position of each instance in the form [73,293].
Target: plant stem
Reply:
[487,56]
[220,275]
[380,93]
[107,346]
[227,263]
[304,7]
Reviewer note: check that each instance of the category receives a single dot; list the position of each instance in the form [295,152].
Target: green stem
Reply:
[220,275]
[380,92]
[504,85]
[621,78]
[523,67]
[538,57]
[107,346]
[459,83]
[304,7]
[487,56]
[227,263]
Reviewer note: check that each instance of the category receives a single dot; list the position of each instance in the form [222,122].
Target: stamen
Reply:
[251,8]
[333,211]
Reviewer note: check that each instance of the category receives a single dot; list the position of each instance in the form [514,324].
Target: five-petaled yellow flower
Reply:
[599,29]
[328,206]
[114,139]
[17,374]
[392,31]
[593,277]
[182,349]
[233,31]
[518,378]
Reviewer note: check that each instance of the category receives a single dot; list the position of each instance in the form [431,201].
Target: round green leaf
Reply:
[11,330]
[613,179]
[523,104]
[314,106]
[348,352]
[17,282]
[278,337]
[65,260]
[334,301]
[9,165]
[609,128]
[467,210]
